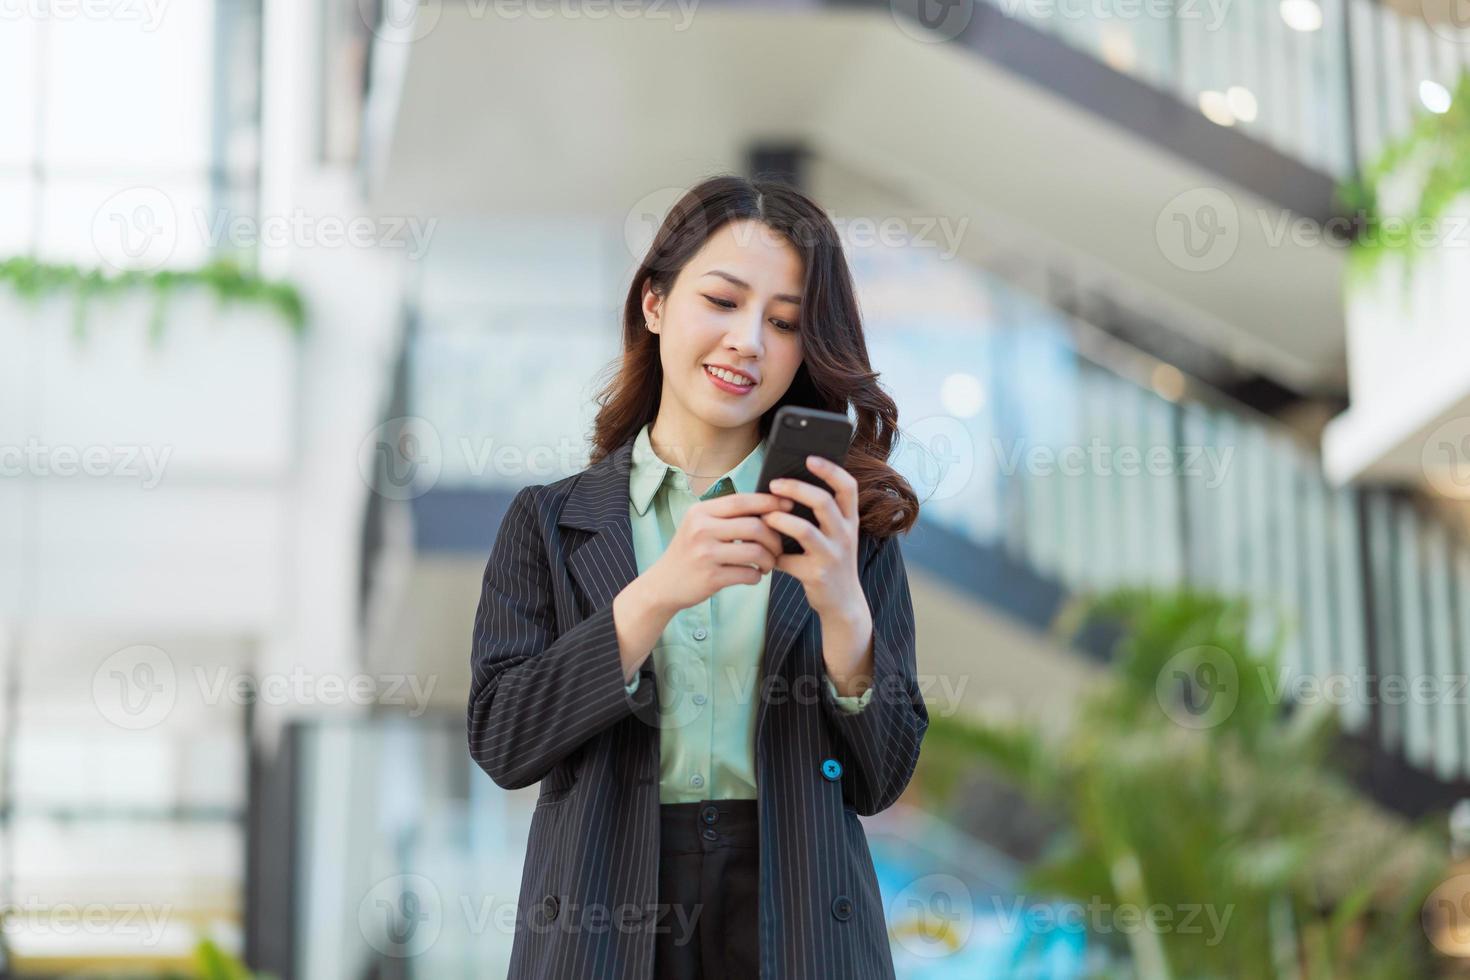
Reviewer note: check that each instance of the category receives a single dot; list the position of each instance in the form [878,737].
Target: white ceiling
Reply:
[583,116]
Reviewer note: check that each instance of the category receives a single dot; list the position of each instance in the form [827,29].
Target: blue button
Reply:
[700,699]
[700,633]
[696,780]
[832,769]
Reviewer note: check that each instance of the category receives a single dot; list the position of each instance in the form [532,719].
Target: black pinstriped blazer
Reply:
[548,703]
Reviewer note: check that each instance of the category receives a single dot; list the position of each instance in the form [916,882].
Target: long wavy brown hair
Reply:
[835,373]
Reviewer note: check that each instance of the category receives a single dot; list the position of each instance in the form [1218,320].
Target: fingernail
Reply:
[816,461]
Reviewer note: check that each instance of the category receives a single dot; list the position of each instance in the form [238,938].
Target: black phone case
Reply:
[797,433]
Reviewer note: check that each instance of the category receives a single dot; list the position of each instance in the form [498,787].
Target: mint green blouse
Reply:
[708,658]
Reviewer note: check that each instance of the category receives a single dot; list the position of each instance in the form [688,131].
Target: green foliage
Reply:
[210,963]
[1232,808]
[1437,147]
[228,282]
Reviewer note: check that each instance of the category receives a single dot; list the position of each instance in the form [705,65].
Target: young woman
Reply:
[706,715]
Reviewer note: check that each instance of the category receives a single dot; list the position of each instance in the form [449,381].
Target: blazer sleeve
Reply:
[535,697]
[881,742]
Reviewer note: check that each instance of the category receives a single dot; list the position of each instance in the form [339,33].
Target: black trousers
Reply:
[708,878]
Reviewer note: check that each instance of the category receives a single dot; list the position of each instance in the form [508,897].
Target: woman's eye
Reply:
[783,325]
[723,304]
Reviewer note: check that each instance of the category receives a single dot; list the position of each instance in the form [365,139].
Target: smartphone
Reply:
[797,433]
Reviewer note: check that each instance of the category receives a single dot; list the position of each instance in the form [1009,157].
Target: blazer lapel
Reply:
[598,504]
[606,563]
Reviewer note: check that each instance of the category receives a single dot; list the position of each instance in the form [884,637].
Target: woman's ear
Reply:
[653,307]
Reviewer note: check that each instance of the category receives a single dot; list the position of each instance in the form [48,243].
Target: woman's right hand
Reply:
[715,545]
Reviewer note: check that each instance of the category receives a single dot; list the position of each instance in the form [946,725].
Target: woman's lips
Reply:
[724,385]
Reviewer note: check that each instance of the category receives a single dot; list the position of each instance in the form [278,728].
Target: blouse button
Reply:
[701,633]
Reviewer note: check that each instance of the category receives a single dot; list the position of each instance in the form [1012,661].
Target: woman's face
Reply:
[736,305]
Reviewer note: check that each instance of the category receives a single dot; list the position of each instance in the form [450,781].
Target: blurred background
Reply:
[1173,296]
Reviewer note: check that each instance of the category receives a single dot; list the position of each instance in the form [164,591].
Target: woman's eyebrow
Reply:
[786,297]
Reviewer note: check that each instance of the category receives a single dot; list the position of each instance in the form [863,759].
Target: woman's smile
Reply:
[726,380]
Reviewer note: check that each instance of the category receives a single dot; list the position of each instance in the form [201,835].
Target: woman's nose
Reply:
[746,337]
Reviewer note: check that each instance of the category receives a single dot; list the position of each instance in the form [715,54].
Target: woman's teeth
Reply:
[734,379]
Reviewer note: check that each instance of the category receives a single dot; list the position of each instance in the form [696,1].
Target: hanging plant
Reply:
[230,284]
[1437,152]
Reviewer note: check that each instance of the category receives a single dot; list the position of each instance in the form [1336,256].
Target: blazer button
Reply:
[842,908]
[551,906]
[832,769]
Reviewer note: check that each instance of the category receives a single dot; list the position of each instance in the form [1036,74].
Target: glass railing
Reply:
[1324,81]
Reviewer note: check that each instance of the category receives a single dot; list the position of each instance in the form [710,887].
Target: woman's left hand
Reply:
[827,568]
